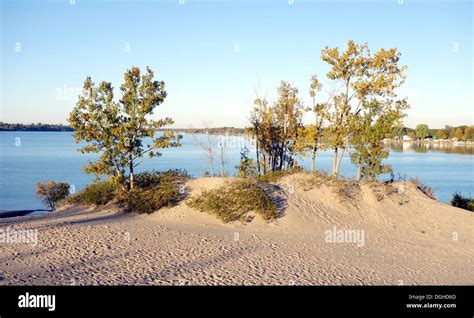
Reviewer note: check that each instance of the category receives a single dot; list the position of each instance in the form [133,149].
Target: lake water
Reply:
[30,157]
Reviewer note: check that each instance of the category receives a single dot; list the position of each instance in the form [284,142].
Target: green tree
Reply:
[441,134]
[422,131]
[310,136]
[263,129]
[469,133]
[449,131]
[288,111]
[369,129]
[51,192]
[275,128]
[397,132]
[459,134]
[247,167]
[361,76]
[117,130]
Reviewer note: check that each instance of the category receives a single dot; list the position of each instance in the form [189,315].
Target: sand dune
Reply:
[401,238]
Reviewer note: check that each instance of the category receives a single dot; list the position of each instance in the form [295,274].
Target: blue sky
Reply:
[211,54]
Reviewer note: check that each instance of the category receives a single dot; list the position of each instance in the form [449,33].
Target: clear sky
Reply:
[212,53]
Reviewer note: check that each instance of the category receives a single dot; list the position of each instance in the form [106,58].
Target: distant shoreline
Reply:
[213,131]
[14,213]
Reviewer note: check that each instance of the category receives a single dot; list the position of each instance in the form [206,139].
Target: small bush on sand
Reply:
[347,190]
[51,192]
[423,187]
[152,199]
[314,180]
[274,176]
[146,180]
[234,200]
[98,193]
[459,201]
[155,190]
[152,191]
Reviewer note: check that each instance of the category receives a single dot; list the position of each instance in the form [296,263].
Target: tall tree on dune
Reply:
[116,130]
[361,77]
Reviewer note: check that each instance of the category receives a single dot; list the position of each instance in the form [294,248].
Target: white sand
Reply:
[408,239]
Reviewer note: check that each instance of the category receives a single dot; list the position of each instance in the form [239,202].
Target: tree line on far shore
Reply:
[422,131]
[34,127]
[463,132]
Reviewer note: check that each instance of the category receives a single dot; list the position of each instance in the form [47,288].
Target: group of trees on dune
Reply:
[358,110]
[355,114]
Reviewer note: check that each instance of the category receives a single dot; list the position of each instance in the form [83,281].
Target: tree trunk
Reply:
[222,161]
[359,171]
[258,154]
[131,175]
[211,165]
[313,159]
[281,160]
[338,163]
[334,159]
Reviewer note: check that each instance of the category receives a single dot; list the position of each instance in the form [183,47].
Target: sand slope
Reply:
[408,239]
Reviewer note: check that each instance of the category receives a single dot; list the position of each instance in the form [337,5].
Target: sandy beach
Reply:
[405,238]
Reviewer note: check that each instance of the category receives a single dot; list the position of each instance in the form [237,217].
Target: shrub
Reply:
[142,200]
[152,191]
[155,190]
[423,187]
[234,200]
[459,201]
[51,192]
[314,180]
[274,176]
[98,193]
[247,168]
[146,180]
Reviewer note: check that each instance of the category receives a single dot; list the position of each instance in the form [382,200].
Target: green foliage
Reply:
[116,130]
[234,200]
[146,180]
[275,128]
[441,134]
[97,193]
[153,190]
[469,133]
[422,131]
[459,134]
[51,192]
[152,199]
[459,201]
[369,128]
[274,176]
[309,137]
[361,111]
[364,77]
[247,168]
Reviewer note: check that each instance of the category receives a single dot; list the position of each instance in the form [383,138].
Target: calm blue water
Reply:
[30,157]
